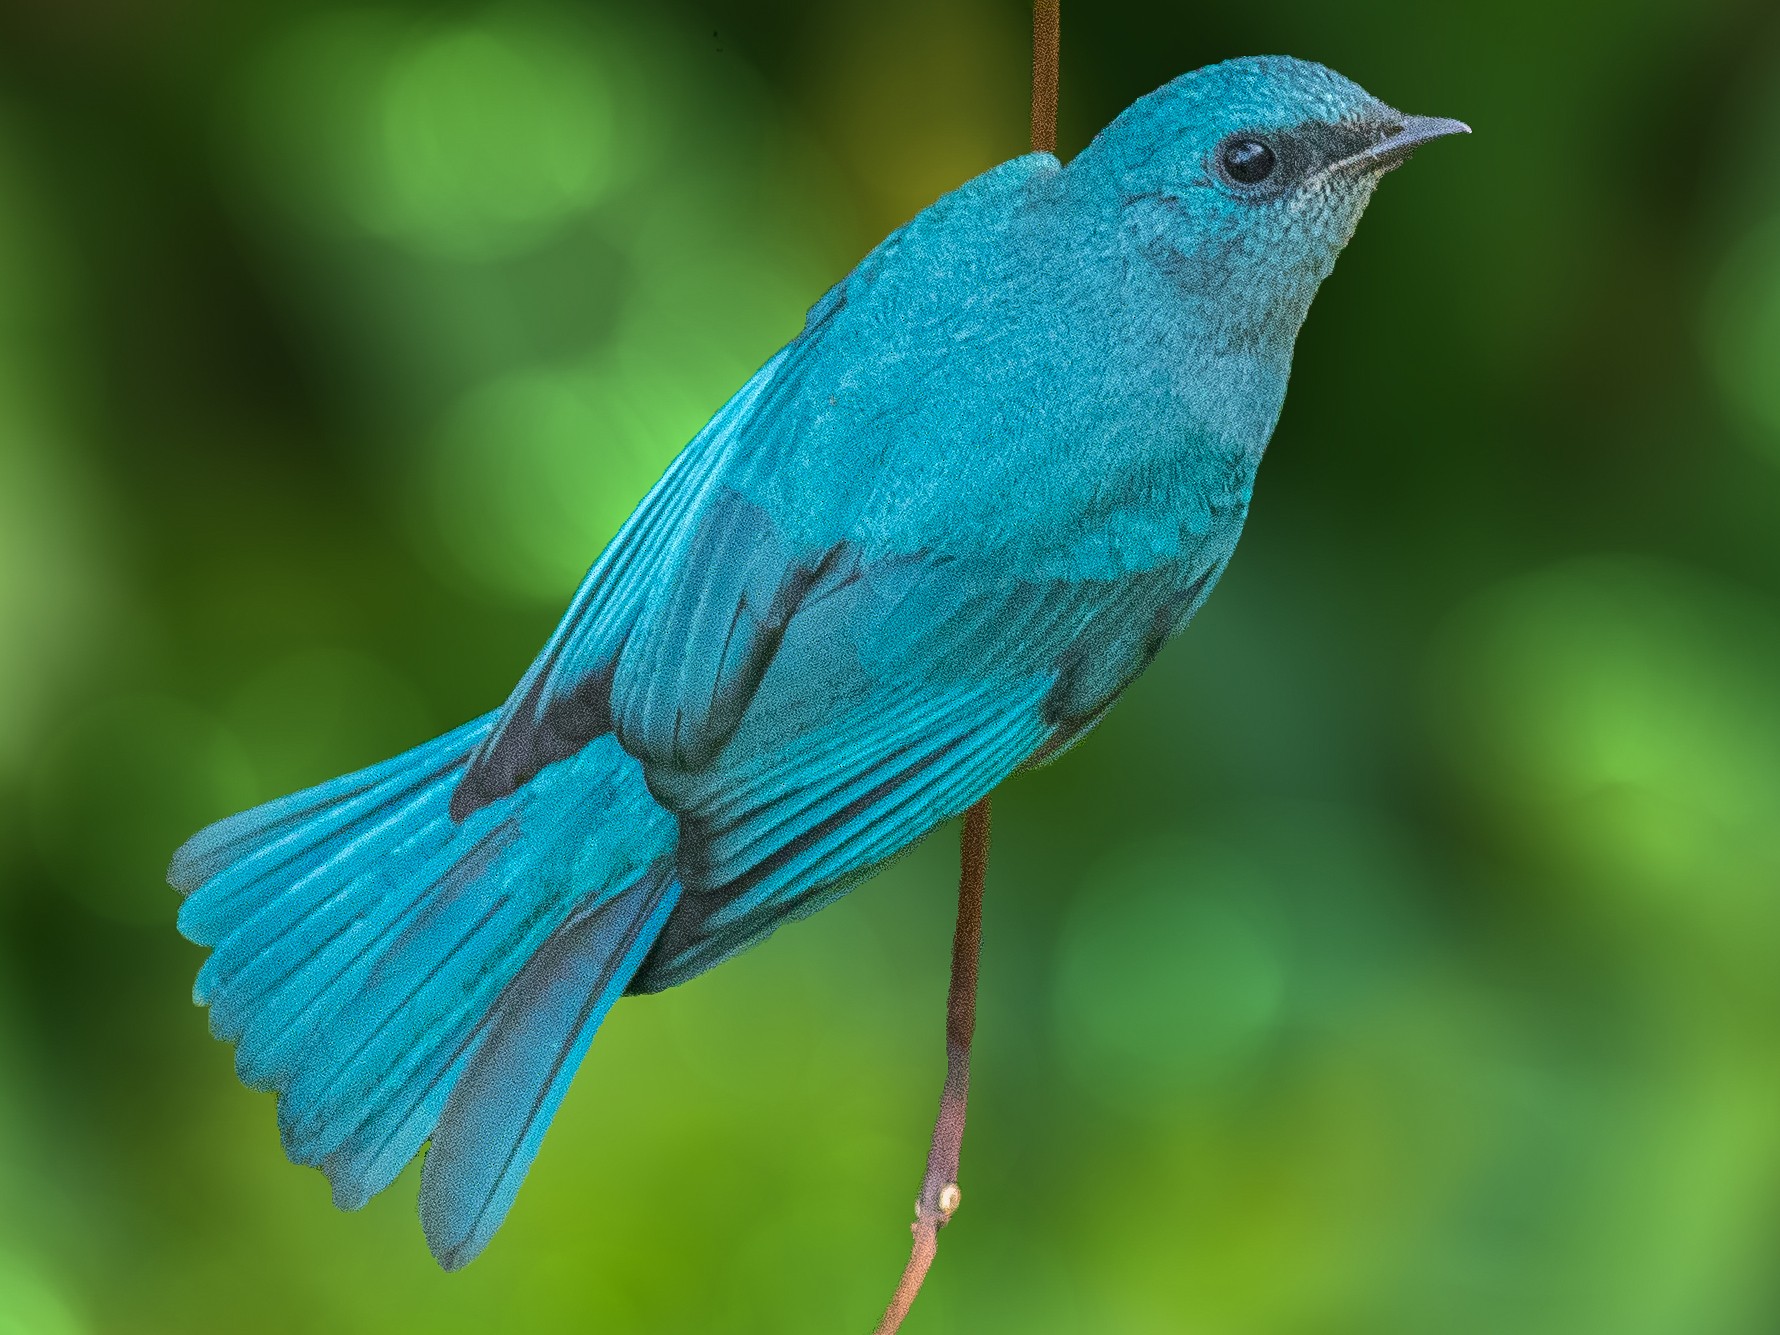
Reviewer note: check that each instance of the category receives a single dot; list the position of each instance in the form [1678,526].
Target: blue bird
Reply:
[928,543]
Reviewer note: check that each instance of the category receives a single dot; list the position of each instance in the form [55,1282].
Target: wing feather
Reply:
[564,699]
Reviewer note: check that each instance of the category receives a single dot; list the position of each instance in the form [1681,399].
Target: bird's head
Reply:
[1242,181]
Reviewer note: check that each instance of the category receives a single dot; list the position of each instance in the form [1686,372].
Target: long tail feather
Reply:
[491,1127]
[374,959]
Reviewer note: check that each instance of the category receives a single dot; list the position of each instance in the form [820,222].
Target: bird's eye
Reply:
[1248,161]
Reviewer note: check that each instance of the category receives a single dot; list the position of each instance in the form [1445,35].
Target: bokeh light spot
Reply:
[960,108]
[533,473]
[469,139]
[1169,976]
[29,1305]
[47,548]
[45,579]
[1743,331]
[492,134]
[1626,713]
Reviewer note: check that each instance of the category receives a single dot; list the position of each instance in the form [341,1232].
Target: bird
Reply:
[927,544]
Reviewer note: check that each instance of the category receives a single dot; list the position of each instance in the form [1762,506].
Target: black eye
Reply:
[1248,161]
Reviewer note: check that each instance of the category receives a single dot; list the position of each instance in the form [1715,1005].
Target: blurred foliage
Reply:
[1401,956]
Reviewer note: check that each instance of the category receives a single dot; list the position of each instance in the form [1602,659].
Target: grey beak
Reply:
[1400,140]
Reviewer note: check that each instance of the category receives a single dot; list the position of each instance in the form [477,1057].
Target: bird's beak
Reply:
[1401,139]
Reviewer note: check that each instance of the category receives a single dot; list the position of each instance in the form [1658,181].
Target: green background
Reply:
[1402,956]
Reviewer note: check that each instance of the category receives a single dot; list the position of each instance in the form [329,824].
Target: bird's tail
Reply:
[396,975]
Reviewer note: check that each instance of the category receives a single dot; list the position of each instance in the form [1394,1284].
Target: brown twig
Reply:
[940,1196]
[939,1187]
[1045,46]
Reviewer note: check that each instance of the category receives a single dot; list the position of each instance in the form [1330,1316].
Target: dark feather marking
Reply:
[735,619]
[1076,661]
[567,723]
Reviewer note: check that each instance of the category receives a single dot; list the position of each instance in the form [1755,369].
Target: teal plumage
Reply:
[929,542]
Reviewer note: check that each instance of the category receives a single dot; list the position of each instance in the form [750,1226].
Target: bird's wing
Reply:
[564,700]
[847,755]
[761,848]
[700,645]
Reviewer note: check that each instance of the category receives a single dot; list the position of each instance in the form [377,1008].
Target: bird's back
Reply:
[1004,380]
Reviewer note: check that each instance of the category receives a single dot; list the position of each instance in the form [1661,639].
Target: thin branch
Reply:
[1046,43]
[940,1197]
